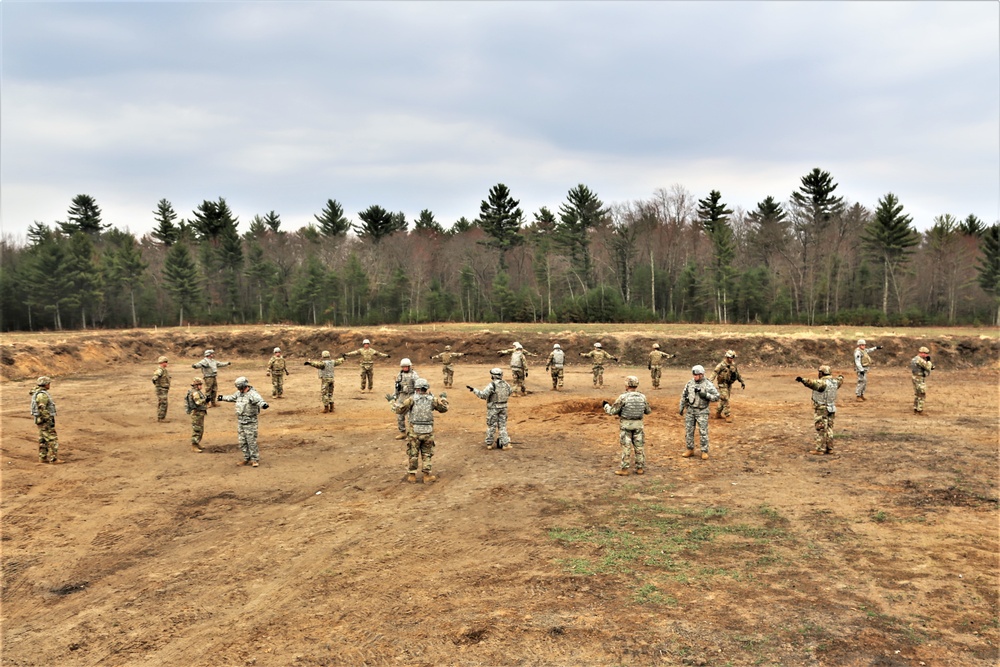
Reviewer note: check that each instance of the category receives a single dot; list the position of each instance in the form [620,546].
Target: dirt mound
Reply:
[573,407]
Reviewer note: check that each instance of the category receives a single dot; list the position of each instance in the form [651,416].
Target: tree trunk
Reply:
[885,289]
[652,281]
[131,298]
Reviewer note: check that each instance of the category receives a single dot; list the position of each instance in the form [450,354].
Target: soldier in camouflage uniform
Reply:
[518,366]
[196,405]
[368,354]
[725,375]
[249,403]
[631,407]
[277,369]
[210,370]
[405,383]
[824,398]
[448,369]
[920,370]
[495,394]
[43,409]
[420,437]
[656,359]
[326,377]
[555,365]
[862,361]
[161,380]
[696,397]
[598,356]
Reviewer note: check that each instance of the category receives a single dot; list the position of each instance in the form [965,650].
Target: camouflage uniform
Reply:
[862,361]
[694,405]
[496,394]
[448,370]
[161,380]
[556,366]
[248,406]
[210,370]
[326,380]
[368,355]
[196,405]
[656,359]
[43,409]
[631,407]
[518,367]
[277,368]
[420,437]
[824,398]
[404,389]
[725,376]
[920,370]
[599,356]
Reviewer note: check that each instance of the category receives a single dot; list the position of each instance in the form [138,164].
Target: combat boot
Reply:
[704,456]
[196,448]
[622,471]
[401,436]
[640,471]
[429,477]
[411,478]
[729,419]
[817,452]
[688,454]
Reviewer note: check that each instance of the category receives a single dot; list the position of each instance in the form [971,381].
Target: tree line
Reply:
[814,258]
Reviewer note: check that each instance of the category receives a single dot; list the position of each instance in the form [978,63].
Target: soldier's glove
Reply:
[219,397]
[743,385]
[605,403]
[671,356]
[798,379]
[444,394]
[879,347]
[525,372]
[305,363]
[469,388]
[681,412]
[52,422]
[153,381]
[649,367]
[265,406]
[499,354]
[267,374]
[928,357]
[616,359]
[390,398]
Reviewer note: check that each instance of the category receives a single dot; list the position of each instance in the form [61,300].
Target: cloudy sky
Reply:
[424,105]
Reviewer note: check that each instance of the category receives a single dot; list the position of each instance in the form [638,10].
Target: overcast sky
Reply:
[412,105]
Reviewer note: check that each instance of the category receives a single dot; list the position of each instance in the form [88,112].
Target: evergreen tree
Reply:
[815,207]
[257,228]
[581,213]
[714,218]
[427,224]
[125,270]
[332,221]
[501,219]
[543,231]
[273,222]
[889,238]
[378,223]
[85,278]
[989,267]
[309,289]
[355,285]
[166,231]
[39,232]
[180,275]
[972,226]
[84,215]
[260,272]
[769,230]
[461,225]
[49,284]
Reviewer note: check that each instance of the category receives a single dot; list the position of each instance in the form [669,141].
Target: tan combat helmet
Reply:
[43,381]
[632,381]
[656,346]
[277,350]
[824,370]
[730,354]
[162,360]
[366,342]
[196,382]
[325,354]
[447,348]
[924,350]
[597,345]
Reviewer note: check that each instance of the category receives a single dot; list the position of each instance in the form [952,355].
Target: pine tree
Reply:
[769,230]
[81,269]
[332,221]
[581,213]
[889,239]
[714,218]
[49,284]
[815,207]
[257,228]
[126,268]
[989,267]
[461,225]
[273,222]
[427,224]
[181,278]
[501,219]
[166,231]
[378,223]
[84,215]
[972,226]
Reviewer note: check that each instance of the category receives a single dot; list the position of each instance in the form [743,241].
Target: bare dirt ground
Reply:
[140,552]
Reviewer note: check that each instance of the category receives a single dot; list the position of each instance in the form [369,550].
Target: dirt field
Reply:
[140,552]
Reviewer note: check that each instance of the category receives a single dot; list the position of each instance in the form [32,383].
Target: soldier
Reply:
[495,394]
[277,369]
[161,380]
[656,359]
[209,370]
[920,369]
[448,369]
[326,366]
[824,399]
[598,356]
[368,354]
[420,437]
[631,407]
[405,381]
[725,375]
[196,405]
[557,358]
[696,397]
[43,409]
[861,364]
[249,403]
[518,366]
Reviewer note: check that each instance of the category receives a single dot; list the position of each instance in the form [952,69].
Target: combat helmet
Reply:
[421,383]
[496,372]
[556,347]
[631,381]
[597,345]
[162,360]
[44,380]
[698,370]
[824,370]
[656,346]
[325,354]
[405,361]
[730,354]
[241,382]
[366,342]
[196,381]
[447,348]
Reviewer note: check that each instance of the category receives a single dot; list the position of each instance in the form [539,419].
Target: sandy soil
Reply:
[139,551]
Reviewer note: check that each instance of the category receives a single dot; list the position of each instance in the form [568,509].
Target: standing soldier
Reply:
[725,375]
[656,359]
[368,354]
[631,407]
[161,380]
[326,366]
[448,369]
[405,386]
[420,437]
[920,369]
[862,361]
[557,358]
[824,399]
[518,366]
[598,356]
[696,397]
[249,403]
[495,394]
[196,405]
[277,369]
[209,370]
[43,409]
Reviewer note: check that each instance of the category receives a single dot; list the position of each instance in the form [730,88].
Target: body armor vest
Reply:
[828,396]
[634,405]
[34,403]
[422,413]
[917,368]
[517,359]
[501,393]
[406,381]
[328,369]
[558,358]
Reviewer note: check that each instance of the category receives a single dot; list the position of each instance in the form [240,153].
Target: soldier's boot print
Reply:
[411,477]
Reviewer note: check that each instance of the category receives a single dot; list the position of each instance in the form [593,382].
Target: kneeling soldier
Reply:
[631,407]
